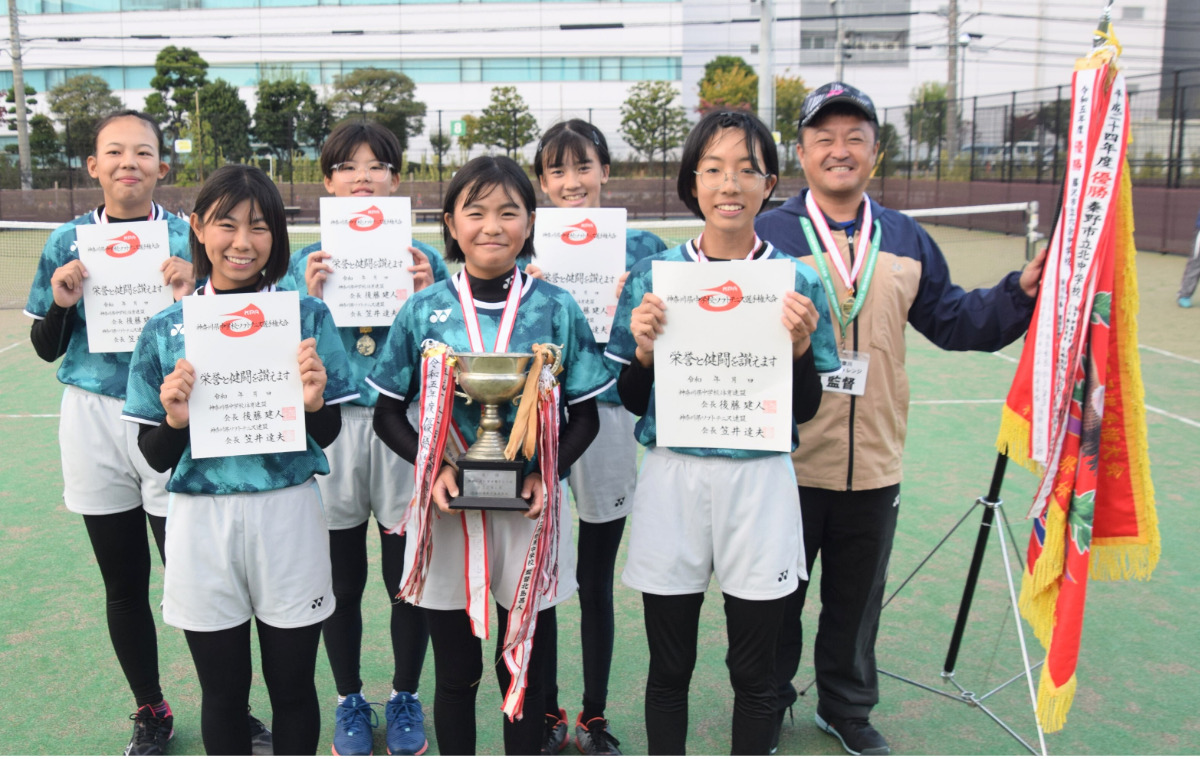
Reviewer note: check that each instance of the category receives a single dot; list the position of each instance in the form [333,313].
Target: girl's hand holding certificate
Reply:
[646,324]
[312,374]
[67,283]
[800,317]
[174,393]
[180,275]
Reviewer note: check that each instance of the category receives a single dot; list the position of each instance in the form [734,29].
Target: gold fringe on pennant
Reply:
[1132,557]
[1013,440]
[523,437]
[1039,585]
[1054,702]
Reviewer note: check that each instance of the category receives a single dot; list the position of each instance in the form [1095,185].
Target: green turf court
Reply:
[1138,673]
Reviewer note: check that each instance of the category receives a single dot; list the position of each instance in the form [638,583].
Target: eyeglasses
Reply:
[376,172]
[743,179]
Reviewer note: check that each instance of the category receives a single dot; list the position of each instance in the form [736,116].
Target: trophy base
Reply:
[491,485]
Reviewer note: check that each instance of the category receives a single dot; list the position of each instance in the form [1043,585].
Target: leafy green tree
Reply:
[10,107]
[178,73]
[316,122]
[280,117]
[506,121]
[78,104]
[790,92]
[388,97]
[891,150]
[926,116]
[44,146]
[649,121]
[226,120]
[440,143]
[729,83]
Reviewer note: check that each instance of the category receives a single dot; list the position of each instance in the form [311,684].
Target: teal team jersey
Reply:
[547,314]
[162,344]
[360,365]
[622,346]
[103,373]
[639,245]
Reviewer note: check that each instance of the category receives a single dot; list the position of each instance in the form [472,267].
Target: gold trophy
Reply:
[486,478]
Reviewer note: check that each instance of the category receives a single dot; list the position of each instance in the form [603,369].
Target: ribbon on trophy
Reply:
[434,427]
[535,430]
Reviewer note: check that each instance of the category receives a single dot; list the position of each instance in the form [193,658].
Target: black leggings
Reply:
[289,661]
[123,554]
[596,562]
[344,629]
[458,660]
[672,624]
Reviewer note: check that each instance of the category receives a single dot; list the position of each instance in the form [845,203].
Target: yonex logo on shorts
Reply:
[316,604]
[620,502]
[439,315]
[783,576]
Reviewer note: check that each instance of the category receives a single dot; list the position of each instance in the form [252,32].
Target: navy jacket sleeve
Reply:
[955,319]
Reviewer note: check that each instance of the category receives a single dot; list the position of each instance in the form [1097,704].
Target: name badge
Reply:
[851,379]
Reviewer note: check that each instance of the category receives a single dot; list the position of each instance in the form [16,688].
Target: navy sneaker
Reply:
[261,743]
[352,732]
[405,725]
[856,734]
[150,731]
[554,739]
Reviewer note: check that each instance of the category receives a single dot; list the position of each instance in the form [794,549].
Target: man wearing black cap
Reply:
[880,270]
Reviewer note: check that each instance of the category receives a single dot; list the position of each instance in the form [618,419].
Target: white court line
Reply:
[1176,417]
[998,354]
[14,345]
[29,416]
[1169,354]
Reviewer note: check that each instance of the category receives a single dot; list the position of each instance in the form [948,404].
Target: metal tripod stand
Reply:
[992,517]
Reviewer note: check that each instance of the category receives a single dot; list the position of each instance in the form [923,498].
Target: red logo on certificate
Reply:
[123,246]
[724,298]
[366,220]
[581,233]
[244,323]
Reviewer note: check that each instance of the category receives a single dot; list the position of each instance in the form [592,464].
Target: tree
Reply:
[790,92]
[44,146]
[891,149]
[926,117]
[10,99]
[78,104]
[728,84]
[226,120]
[506,122]
[441,146]
[649,123]
[279,117]
[387,97]
[178,73]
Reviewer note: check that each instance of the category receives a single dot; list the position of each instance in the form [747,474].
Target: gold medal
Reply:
[366,344]
[848,304]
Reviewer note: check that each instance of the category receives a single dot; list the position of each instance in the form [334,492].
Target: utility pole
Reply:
[952,93]
[18,72]
[838,63]
[766,64]
[200,134]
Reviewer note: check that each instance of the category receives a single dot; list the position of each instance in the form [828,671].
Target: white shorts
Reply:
[365,476]
[104,471]
[603,478]
[508,535]
[264,555]
[696,515]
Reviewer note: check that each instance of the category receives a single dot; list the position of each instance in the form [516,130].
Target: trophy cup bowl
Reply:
[486,479]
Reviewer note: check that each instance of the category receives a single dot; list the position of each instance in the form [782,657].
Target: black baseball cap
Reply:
[835,92]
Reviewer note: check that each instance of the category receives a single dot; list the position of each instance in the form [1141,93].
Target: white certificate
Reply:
[248,397]
[723,364]
[124,286]
[582,250]
[369,240]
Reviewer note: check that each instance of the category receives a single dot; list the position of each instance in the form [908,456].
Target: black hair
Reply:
[229,186]
[347,136]
[842,108]
[758,138]
[572,137]
[110,118]
[476,179]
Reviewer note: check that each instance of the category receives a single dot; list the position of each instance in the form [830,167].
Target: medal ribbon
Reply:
[474,522]
[818,220]
[749,256]
[844,315]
